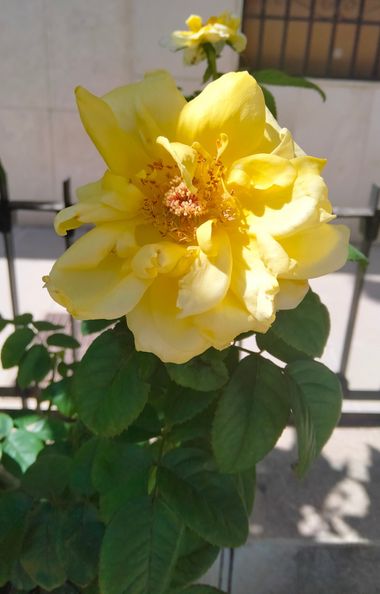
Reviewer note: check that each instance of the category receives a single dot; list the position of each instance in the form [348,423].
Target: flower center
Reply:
[174,209]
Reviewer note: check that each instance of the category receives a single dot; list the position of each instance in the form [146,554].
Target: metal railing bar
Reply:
[261,33]
[285,30]
[370,233]
[375,68]
[357,38]
[310,21]
[334,22]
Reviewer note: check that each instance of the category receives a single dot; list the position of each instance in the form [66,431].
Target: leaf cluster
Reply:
[140,472]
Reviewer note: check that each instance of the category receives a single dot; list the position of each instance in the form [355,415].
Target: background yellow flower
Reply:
[207,221]
[218,30]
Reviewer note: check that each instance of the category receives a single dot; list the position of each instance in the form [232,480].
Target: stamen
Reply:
[176,211]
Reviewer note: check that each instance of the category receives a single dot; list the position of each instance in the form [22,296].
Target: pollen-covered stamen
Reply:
[175,210]
[180,201]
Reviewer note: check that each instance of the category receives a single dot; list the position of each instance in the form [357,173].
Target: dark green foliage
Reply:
[14,347]
[275,77]
[140,471]
[140,548]
[110,386]
[298,333]
[251,414]
[203,373]
[316,399]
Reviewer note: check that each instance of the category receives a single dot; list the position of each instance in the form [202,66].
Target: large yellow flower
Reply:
[208,219]
[218,30]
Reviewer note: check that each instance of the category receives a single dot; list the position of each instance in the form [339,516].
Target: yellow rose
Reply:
[208,219]
[218,31]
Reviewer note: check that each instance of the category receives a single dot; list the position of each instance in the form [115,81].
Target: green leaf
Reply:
[81,468]
[204,373]
[3,323]
[355,255]
[183,404]
[6,425]
[23,319]
[298,333]
[64,341]
[44,326]
[14,347]
[66,588]
[207,501]
[195,428]
[251,414]
[246,485]
[195,557]
[110,387]
[59,393]
[20,579]
[199,589]
[44,427]
[82,535]
[146,425]
[23,447]
[270,101]
[40,555]
[316,400]
[34,366]
[13,509]
[279,78]
[48,477]
[140,548]
[120,472]
[92,326]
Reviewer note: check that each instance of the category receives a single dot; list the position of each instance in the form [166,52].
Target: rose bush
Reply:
[207,221]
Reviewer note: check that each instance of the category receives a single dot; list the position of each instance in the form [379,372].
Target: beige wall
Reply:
[47,47]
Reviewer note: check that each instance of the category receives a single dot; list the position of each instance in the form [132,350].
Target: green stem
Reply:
[211,71]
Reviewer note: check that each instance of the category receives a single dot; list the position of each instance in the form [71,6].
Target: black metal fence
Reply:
[321,38]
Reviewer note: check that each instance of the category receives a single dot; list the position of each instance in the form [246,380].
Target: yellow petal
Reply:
[273,254]
[255,285]
[122,195]
[261,172]
[291,293]
[122,151]
[224,322]
[149,108]
[208,279]
[285,148]
[158,329]
[100,292]
[317,251]
[157,258]
[90,249]
[194,22]
[184,156]
[233,105]
[304,206]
